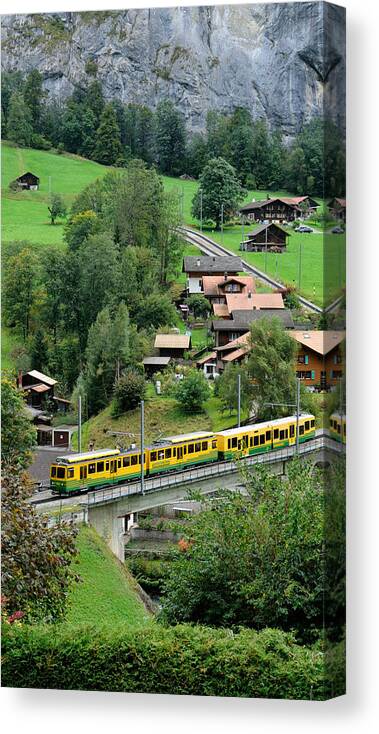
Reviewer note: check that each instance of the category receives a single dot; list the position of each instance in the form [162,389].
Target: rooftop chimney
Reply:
[198,262]
[214,259]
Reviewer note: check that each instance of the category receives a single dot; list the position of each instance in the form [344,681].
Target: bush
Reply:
[60,148]
[192,391]
[41,143]
[129,391]
[182,660]
[209,224]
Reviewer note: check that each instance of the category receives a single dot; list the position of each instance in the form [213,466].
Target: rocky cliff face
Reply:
[285,62]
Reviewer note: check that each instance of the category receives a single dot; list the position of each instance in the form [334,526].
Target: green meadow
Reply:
[313,263]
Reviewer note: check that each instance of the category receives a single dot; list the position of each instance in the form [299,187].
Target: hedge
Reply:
[178,660]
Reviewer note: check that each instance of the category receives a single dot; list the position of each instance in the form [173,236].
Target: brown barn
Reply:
[37,386]
[319,359]
[172,345]
[279,210]
[269,237]
[27,181]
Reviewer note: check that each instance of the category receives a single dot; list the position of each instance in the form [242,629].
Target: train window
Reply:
[286,433]
[268,435]
[331,422]
[262,438]
[197,447]
[167,454]
[119,463]
[153,456]
[107,466]
[204,446]
[229,443]
[91,468]
[234,442]
[53,471]
[190,448]
[174,451]
[100,466]
[134,460]
[160,455]
[281,435]
[61,472]
[70,473]
[292,430]
[344,430]
[307,425]
[312,424]
[301,430]
[214,443]
[276,432]
[126,461]
[256,440]
[339,429]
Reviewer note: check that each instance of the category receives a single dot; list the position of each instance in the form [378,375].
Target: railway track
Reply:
[210,247]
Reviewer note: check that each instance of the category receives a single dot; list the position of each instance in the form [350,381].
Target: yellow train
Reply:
[337,426]
[77,472]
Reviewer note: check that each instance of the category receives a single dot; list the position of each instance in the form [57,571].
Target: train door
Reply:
[113,467]
[292,434]
[179,453]
[83,473]
[243,444]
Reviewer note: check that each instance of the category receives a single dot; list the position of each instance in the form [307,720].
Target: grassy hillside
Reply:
[106,594]
[162,418]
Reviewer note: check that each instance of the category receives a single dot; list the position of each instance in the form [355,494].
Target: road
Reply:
[210,247]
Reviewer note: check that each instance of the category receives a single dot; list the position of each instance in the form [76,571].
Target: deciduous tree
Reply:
[220,188]
[192,391]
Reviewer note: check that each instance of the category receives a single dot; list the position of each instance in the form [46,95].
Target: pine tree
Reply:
[33,96]
[19,125]
[38,351]
[108,148]
[170,139]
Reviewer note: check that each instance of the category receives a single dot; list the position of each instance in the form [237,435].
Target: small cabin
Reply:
[27,181]
[269,237]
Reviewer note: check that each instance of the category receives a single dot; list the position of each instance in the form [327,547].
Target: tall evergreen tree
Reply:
[34,96]
[170,138]
[94,100]
[19,124]
[108,148]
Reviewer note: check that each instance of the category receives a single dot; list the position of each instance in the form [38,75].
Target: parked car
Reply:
[303,228]
[337,230]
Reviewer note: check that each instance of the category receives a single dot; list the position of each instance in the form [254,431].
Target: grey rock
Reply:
[285,61]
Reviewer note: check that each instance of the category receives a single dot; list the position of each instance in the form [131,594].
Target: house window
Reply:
[301,358]
[91,468]
[100,466]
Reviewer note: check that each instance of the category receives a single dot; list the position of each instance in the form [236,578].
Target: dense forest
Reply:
[113,134]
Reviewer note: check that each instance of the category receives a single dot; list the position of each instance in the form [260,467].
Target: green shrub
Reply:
[180,660]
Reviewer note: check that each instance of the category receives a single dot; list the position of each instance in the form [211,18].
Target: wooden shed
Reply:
[266,236]
[28,181]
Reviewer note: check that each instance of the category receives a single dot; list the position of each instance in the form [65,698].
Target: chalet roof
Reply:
[162,361]
[232,356]
[299,199]
[207,358]
[212,283]
[262,227]
[27,173]
[242,301]
[263,202]
[321,342]
[228,325]
[172,341]
[340,202]
[242,317]
[38,388]
[212,264]
[41,377]
[221,310]
[241,341]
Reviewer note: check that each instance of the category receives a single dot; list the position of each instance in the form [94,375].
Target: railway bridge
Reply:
[110,510]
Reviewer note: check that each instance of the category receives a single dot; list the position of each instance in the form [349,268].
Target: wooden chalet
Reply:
[319,362]
[303,202]
[38,388]
[338,209]
[211,265]
[228,330]
[172,345]
[216,288]
[272,210]
[270,237]
[27,181]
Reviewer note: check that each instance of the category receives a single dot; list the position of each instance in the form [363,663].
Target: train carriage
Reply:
[77,472]
[260,437]
[337,426]
[177,452]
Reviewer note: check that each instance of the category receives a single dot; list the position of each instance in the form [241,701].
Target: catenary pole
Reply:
[79,424]
[239,399]
[297,412]
[142,446]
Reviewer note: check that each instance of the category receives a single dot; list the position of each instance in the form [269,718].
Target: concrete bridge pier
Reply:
[110,526]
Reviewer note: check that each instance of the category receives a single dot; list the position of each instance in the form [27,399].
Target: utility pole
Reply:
[79,424]
[297,412]
[142,446]
[266,250]
[243,227]
[222,223]
[239,399]
[300,246]
[201,208]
